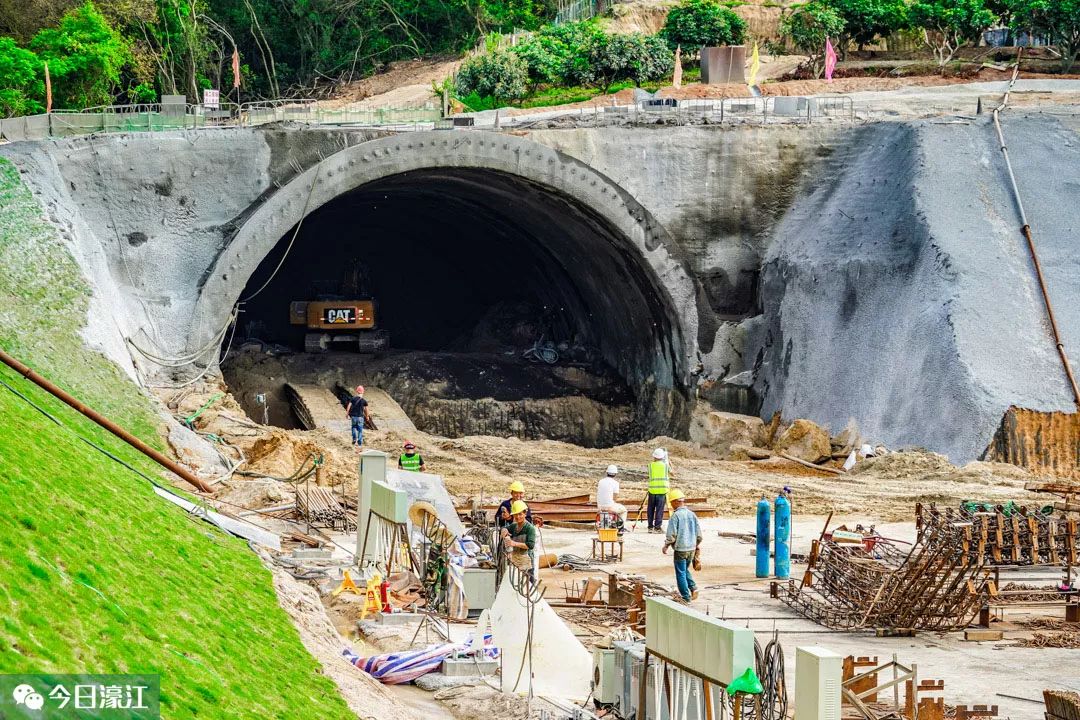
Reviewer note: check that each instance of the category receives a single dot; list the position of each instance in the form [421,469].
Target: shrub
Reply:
[702,23]
[21,80]
[500,75]
[554,55]
[634,56]
[808,27]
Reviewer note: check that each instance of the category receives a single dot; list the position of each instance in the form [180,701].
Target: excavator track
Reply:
[317,407]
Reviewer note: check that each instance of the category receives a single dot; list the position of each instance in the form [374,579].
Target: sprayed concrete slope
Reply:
[829,272]
[899,290]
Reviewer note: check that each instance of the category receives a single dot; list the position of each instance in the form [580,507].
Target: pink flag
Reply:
[235,68]
[830,60]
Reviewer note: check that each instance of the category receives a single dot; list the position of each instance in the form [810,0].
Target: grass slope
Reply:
[97,574]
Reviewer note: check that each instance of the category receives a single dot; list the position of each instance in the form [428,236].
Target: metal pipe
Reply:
[104,422]
[1026,230]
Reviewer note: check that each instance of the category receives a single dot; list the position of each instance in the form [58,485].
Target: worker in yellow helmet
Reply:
[519,539]
[683,534]
[502,515]
[659,484]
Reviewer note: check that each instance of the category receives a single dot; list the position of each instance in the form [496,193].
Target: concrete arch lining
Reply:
[511,164]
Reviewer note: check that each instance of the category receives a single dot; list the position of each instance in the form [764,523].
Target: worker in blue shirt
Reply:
[683,534]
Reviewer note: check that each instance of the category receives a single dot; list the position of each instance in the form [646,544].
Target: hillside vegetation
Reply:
[98,574]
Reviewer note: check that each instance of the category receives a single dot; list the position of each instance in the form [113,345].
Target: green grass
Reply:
[43,301]
[97,574]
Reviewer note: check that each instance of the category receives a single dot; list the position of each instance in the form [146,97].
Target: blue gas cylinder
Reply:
[782,565]
[764,522]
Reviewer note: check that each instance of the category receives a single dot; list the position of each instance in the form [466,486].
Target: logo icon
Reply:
[26,695]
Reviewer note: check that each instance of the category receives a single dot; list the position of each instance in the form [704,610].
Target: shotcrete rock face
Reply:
[443,250]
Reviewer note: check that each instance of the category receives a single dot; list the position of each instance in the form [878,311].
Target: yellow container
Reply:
[608,534]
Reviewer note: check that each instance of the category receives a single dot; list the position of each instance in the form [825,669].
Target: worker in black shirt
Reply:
[358,413]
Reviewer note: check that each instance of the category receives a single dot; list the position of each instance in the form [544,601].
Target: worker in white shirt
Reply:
[606,493]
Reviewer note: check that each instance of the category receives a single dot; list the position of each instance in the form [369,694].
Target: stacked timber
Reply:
[579,509]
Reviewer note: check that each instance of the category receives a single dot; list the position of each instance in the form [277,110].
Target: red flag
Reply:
[235,68]
[48,90]
[830,60]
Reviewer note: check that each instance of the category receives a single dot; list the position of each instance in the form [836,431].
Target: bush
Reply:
[500,75]
[554,55]
[808,27]
[634,56]
[702,23]
[21,80]
[85,56]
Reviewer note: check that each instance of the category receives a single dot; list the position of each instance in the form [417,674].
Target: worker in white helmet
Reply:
[659,484]
[607,492]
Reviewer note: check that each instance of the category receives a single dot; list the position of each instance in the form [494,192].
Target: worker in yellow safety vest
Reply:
[659,484]
[410,460]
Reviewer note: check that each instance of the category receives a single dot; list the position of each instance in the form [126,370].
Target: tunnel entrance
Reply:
[469,269]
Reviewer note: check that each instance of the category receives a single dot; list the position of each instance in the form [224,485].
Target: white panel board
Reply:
[702,644]
[426,486]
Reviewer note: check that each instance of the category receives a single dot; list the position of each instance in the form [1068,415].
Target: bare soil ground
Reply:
[884,488]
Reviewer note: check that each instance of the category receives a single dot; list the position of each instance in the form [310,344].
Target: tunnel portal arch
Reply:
[620,258]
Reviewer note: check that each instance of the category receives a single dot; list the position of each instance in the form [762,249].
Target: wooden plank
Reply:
[973,635]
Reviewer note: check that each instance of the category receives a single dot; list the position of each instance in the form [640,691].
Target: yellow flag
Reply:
[755,65]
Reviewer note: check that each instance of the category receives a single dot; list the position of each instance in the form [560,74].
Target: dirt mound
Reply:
[910,464]
[280,454]
[405,83]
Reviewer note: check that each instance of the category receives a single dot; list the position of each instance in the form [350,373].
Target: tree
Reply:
[864,20]
[808,27]
[949,25]
[631,56]
[1059,20]
[85,56]
[500,75]
[702,23]
[21,83]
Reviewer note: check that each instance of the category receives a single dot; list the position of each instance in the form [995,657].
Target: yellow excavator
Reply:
[344,324]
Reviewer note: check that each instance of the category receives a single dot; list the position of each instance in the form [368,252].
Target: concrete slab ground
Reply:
[974,673]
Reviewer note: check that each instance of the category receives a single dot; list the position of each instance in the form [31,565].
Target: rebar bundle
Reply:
[1011,534]
[938,585]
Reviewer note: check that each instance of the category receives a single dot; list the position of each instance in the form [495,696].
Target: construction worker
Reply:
[607,492]
[683,534]
[358,413]
[519,539]
[659,484]
[517,493]
[410,459]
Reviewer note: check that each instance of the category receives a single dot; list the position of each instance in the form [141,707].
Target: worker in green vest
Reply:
[410,459]
[659,484]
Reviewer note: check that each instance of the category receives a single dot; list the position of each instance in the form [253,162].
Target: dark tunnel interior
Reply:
[468,261]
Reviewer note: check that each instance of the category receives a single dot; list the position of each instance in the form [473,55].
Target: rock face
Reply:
[804,440]
[720,430]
